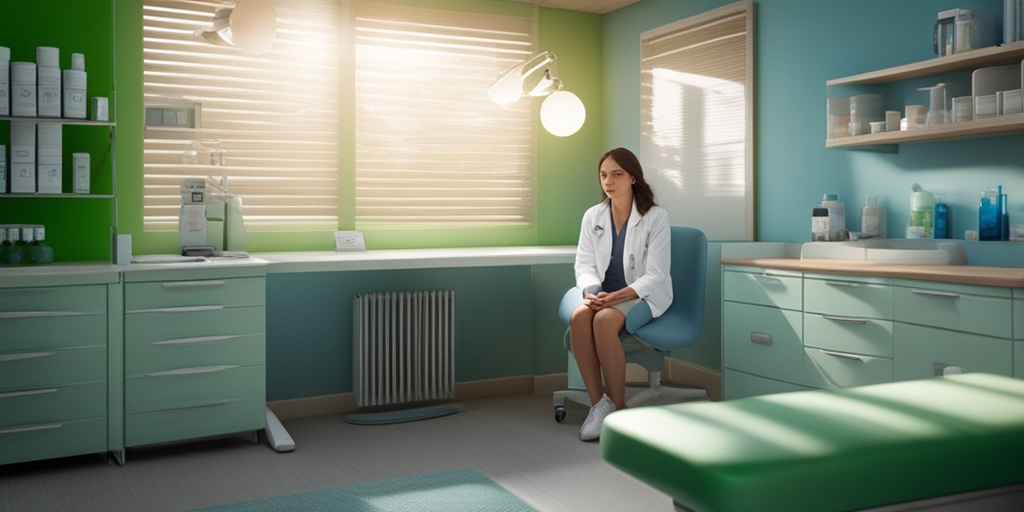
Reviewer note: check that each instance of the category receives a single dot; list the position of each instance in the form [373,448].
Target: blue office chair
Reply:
[648,342]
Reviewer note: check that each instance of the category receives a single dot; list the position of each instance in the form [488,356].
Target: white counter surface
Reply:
[417,258]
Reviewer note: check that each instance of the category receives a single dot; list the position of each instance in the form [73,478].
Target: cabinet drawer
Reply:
[832,369]
[741,385]
[66,299]
[763,341]
[848,297]
[37,332]
[50,440]
[764,288]
[187,423]
[190,387]
[1018,359]
[182,323]
[848,334]
[954,308]
[55,404]
[31,370]
[168,354]
[248,291]
[1018,318]
[920,352]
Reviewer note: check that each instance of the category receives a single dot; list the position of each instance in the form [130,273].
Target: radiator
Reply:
[403,347]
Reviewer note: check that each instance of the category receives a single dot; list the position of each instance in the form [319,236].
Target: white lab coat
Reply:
[646,258]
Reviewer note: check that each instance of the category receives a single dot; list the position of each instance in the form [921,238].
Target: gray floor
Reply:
[514,440]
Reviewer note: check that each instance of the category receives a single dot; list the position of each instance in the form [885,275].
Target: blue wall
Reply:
[800,45]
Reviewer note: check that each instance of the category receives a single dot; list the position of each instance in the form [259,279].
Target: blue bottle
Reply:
[941,219]
[990,214]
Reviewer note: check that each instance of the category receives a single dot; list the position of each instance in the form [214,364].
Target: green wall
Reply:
[76,228]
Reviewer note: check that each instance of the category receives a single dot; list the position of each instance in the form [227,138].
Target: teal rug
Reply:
[447,491]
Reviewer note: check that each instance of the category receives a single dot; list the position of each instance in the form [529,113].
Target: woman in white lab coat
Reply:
[623,257]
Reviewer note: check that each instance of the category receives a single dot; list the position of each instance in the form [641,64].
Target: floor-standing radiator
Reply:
[404,347]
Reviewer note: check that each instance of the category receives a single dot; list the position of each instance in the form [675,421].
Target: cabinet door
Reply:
[972,309]
[741,385]
[848,297]
[920,352]
[765,288]
[763,341]
[832,369]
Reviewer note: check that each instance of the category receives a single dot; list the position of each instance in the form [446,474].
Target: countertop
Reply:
[961,274]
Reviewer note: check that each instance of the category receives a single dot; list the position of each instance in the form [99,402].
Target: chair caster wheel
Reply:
[559,413]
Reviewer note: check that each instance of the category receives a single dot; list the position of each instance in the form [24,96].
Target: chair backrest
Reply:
[682,323]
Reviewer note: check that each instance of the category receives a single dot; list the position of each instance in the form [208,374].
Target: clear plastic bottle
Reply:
[25,244]
[40,252]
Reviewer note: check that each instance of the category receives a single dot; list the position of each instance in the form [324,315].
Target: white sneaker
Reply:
[591,428]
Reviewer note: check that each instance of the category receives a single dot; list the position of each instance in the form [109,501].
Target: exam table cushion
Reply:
[838,449]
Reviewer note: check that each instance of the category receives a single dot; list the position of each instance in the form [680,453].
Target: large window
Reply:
[269,121]
[697,128]
[431,150]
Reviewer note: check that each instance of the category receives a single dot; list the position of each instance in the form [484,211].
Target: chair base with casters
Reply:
[651,359]
[648,341]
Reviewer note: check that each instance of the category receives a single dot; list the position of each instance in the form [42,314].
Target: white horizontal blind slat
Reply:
[694,122]
[431,149]
[275,115]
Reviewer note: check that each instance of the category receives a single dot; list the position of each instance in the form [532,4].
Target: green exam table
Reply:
[945,439]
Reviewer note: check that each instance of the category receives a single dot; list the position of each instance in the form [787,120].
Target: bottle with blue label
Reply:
[941,218]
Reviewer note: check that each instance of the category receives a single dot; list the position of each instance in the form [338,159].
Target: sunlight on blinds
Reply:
[274,117]
[695,121]
[431,148]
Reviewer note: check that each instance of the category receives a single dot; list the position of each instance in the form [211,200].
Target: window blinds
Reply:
[696,136]
[431,150]
[274,116]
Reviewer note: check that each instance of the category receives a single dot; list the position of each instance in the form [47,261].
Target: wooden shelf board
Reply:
[981,127]
[991,56]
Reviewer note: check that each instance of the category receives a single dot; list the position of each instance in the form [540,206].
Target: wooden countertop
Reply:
[961,274]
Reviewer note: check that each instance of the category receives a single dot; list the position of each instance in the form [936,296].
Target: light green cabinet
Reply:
[762,329]
[195,354]
[55,353]
[786,330]
[848,331]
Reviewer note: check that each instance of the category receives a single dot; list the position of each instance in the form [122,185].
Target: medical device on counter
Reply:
[210,222]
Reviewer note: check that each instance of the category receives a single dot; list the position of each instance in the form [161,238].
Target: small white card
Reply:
[349,241]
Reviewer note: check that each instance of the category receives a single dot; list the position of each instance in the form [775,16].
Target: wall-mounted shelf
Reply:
[62,196]
[998,125]
[1012,53]
[57,120]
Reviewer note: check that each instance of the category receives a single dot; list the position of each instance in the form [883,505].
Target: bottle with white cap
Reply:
[48,81]
[23,89]
[5,81]
[40,252]
[74,88]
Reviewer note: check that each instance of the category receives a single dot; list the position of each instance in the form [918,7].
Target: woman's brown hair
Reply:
[642,193]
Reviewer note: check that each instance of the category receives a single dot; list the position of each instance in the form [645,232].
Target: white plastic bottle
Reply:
[870,218]
[48,81]
[922,213]
[75,88]
[23,89]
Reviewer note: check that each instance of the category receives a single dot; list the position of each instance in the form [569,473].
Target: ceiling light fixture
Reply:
[562,113]
[250,26]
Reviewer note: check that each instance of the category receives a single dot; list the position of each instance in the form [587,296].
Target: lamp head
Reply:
[249,26]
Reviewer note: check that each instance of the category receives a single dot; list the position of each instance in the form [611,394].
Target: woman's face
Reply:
[615,181]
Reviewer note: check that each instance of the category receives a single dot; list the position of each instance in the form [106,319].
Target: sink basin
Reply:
[912,251]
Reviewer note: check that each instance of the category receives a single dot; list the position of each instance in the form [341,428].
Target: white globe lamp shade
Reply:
[253,26]
[562,114]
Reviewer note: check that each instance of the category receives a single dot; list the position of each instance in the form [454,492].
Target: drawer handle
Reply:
[182,309]
[767,278]
[934,293]
[32,428]
[841,355]
[13,394]
[845,319]
[940,369]
[761,337]
[193,371]
[202,339]
[6,358]
[193,285]
[842,283]
[41,314]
